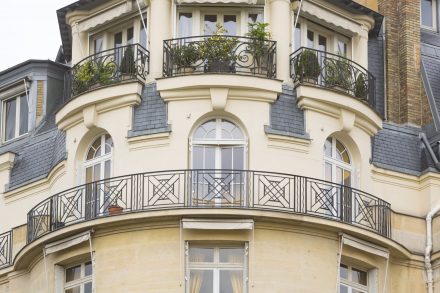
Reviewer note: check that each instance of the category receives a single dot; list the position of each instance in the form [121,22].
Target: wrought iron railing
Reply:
[5,249]
[219,54]
[210,189]
[107,67]
[315,67]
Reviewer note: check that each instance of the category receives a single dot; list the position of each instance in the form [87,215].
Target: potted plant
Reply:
[104,73]
[218,51]
[114,209]
[82,77]
[338,74]
[360,87]
[307,66]
[184,56]
[128,65]
[258,46]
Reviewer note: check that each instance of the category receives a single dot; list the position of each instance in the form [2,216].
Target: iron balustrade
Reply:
[219,54]
[323,69]
[107,67]
[5,249]
[241,189]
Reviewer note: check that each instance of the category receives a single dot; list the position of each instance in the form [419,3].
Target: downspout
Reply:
[428,265]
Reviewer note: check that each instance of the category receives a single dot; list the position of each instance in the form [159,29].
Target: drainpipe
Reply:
[428,266]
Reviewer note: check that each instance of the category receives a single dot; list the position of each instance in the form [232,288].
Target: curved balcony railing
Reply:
[219,54]
[108,67]
[240,189]
[323,69]
[5,249]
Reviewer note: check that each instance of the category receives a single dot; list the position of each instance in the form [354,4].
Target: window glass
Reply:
[79,279]
[297,37]
[427,9]
[24,115]
[231,281]
[230,24]
[98,160]
[201,281]
[10,118]
[255,17]
[185,24]
[130,36]
[197,254]
[232,255]
[73,273]
[210,21]
[342,48]
[143,34]
[337,162]
[352,280]
[310,39]
[322,43]
[98,43]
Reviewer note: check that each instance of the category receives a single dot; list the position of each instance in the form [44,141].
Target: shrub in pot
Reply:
[258,46]
[307,66]
[184,56]
[338,74]
[360,87]
[128,65]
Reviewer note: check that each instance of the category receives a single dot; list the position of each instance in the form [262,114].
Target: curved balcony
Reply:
[323,69]
[219,54]
[239,189]
[109,67]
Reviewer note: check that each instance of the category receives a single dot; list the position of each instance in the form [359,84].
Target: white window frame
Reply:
[198,17]
[352,285]
[216,266]
[434,17]
[332,37]
[337,163]
[100,159]
[17,117]
[82,280]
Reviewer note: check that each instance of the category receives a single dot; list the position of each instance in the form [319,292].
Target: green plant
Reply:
[128,65]
[338,74]
[92,72]
[307,65]
[360,87]
[258,46]
[218,50]
[104,72]
[185,55]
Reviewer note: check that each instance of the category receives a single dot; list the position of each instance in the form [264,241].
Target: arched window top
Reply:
[334,149]
[218,129]
[102,146]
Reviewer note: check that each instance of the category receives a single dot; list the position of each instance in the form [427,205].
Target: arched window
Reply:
[218,144]
[337,160]
[98,161]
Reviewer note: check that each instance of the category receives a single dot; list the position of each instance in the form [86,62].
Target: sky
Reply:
[29,30]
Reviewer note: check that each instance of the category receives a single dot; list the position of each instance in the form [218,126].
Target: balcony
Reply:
[109,67]
[219,54]
[334,72]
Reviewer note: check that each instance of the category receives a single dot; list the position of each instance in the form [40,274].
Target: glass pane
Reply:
[238,159]
[328,147]
[233,255]
[342,153]
[185,24]
[343,289]
[98,44]
[108,144]
[328,172]
[342,48]
[255,17]
[426,13]
[89,174]
[226,154]
[10,114]
[201,254]
[143,34]
[310,39]
[209,160]
[231,281]
[230,24]
[197,157]
[76,289]
[322,43]
[343,271]
[230,131]
[210,24]
[339,173]
[24,114]
[201,281]
[88,288]
[297,37]
[73,273]
[117,44]
[97,172]
[358,276]
[206,130]
[88,269]
[347,178]
[107,169]
[118,40]
[130,36]
[93,149]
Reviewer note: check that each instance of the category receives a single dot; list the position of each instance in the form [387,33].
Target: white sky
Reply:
[29,30]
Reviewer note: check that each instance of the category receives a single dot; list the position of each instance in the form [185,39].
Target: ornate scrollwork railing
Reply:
[310,66]
[5,249]
[210,189]
[108,67]
[219,54]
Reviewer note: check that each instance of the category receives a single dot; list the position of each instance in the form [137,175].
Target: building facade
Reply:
[228,146]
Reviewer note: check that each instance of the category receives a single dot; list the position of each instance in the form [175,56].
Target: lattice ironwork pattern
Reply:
[5,249]
[108,67]
[219,54]
[210,189]
[323,69]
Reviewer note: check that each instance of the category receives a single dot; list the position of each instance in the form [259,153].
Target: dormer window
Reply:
[15,117]
[428,14]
